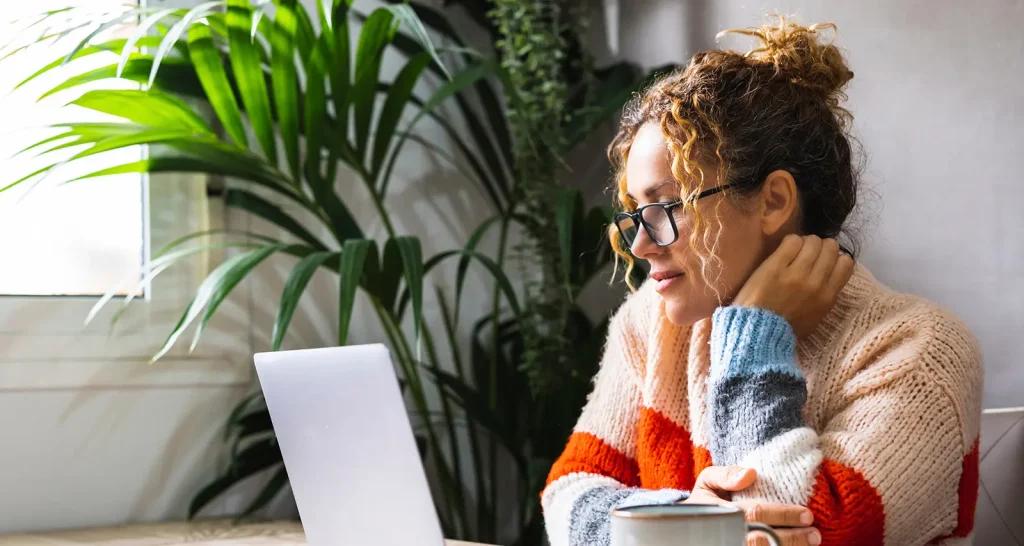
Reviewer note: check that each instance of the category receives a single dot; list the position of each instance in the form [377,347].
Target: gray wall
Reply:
[938,100]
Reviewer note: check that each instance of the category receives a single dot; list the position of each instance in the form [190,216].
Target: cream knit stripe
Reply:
[791,482]
[698,370]
[613,407]
[904,438]
[665,380]
[903,408]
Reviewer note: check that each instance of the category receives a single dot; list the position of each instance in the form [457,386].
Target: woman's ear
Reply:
[780,204]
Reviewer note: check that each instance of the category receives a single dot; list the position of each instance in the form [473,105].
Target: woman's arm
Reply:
[598,470]
[897,464]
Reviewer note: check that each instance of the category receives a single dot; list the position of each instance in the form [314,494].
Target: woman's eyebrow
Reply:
[652,191]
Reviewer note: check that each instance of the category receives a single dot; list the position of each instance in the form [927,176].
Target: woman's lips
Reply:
[665,280]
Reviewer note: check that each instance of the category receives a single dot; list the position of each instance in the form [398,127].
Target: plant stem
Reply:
[319,213]
[495,348]
[378,203]
[451,326]
[453,440]
[378,199]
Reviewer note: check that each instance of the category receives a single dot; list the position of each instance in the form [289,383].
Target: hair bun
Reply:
[800,54]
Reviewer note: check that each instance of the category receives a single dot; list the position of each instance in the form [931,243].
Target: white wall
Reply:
[938,100]
[119,441]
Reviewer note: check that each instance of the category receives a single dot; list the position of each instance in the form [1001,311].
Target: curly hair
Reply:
[778,106]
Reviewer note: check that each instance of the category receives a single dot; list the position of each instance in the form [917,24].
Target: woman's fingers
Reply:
[825,263]
[809,252]
[788,250]
[726,478]
[841,274]
[793,523]
[776,514]
[790,537]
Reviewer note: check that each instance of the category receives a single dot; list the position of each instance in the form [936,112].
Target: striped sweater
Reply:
[871,421]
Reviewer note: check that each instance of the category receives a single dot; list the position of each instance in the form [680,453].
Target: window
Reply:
[77,239]
[65,245]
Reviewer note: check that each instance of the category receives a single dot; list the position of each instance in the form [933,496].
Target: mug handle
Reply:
[766,530]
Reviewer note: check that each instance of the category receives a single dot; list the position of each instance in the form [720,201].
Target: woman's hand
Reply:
[800,281]
[716,484]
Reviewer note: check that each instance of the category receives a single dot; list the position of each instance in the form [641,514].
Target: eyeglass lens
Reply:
[658,221]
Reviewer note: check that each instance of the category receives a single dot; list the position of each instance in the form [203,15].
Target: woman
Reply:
[758,364]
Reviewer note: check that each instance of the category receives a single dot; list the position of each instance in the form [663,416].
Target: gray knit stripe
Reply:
[746,411]
[590,522]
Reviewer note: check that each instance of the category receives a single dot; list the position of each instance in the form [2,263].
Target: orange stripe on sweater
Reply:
[701,459]
[967,494]
[665,451]
[588,453]
[847,509]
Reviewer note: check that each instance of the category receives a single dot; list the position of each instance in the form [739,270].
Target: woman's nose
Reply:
[643,245]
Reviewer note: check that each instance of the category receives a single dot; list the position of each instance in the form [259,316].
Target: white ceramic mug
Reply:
[684,525]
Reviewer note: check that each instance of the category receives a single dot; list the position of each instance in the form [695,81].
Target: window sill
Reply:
[130,373]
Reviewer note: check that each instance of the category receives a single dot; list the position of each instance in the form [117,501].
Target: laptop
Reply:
[348,447]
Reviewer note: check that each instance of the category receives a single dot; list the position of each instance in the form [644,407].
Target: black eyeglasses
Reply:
[656,218]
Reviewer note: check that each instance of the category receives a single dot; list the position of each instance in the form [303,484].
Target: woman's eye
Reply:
[679,212]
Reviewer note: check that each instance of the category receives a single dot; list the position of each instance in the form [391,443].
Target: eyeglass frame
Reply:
[637,215]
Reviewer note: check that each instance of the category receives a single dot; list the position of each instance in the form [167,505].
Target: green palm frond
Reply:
[215,53]
[253,92]
[294,287]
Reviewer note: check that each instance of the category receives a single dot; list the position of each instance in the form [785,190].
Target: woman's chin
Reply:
[684,312]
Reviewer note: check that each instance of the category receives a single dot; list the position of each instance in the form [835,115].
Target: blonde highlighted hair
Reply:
[777,106]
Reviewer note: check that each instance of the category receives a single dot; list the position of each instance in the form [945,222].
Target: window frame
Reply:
[45,343]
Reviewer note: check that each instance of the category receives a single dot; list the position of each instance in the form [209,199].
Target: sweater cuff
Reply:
[591,517]
[659,496]
[750,341]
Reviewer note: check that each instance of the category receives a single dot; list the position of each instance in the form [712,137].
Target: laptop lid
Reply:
[348,447]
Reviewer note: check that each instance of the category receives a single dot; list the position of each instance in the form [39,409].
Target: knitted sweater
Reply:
[872,421]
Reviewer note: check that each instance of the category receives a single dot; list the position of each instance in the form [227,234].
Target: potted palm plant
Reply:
[293,103]
[296,97]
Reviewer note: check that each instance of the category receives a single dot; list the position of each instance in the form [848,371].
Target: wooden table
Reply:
[204,533]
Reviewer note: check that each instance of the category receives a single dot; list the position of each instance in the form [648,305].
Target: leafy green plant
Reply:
[295,103]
